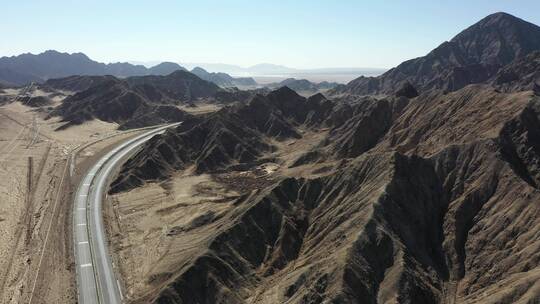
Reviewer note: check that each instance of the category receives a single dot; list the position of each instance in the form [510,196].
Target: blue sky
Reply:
[296,33]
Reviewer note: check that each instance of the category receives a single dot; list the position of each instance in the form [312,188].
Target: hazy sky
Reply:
[296,33]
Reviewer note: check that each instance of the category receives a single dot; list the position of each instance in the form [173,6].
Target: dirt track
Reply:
[35,187]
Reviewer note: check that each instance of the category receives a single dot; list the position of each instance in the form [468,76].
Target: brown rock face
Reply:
[521,74]
[434,200]
[407,90]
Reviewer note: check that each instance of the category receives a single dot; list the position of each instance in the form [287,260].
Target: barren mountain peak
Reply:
[472,56]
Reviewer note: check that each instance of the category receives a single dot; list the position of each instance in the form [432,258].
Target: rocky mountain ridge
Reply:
[473,56]
[25,68]
[408,214]
[237,135]
[424,195]
[132,102]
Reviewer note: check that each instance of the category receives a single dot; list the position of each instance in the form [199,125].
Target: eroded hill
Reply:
[139,101]
[395,200]
[114,100]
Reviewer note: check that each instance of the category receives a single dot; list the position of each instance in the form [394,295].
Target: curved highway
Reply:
[96,280]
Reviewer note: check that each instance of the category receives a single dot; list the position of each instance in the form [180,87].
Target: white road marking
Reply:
[86,265]
[119,289]
[83,243]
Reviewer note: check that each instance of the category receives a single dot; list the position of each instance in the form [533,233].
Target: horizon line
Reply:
[152,63]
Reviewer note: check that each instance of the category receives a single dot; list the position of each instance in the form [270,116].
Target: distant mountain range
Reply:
[473,56]
[303,85]
[19,70]
[223,79]
[267,69]
[25,68]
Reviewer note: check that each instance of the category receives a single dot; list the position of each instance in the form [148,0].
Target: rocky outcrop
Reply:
[407,90]
[522,74]
[362,131]
[520,143]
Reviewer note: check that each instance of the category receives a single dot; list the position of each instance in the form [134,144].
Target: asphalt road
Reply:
[96,279]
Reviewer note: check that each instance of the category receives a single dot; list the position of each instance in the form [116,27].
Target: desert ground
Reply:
[39,169]
[146,225]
